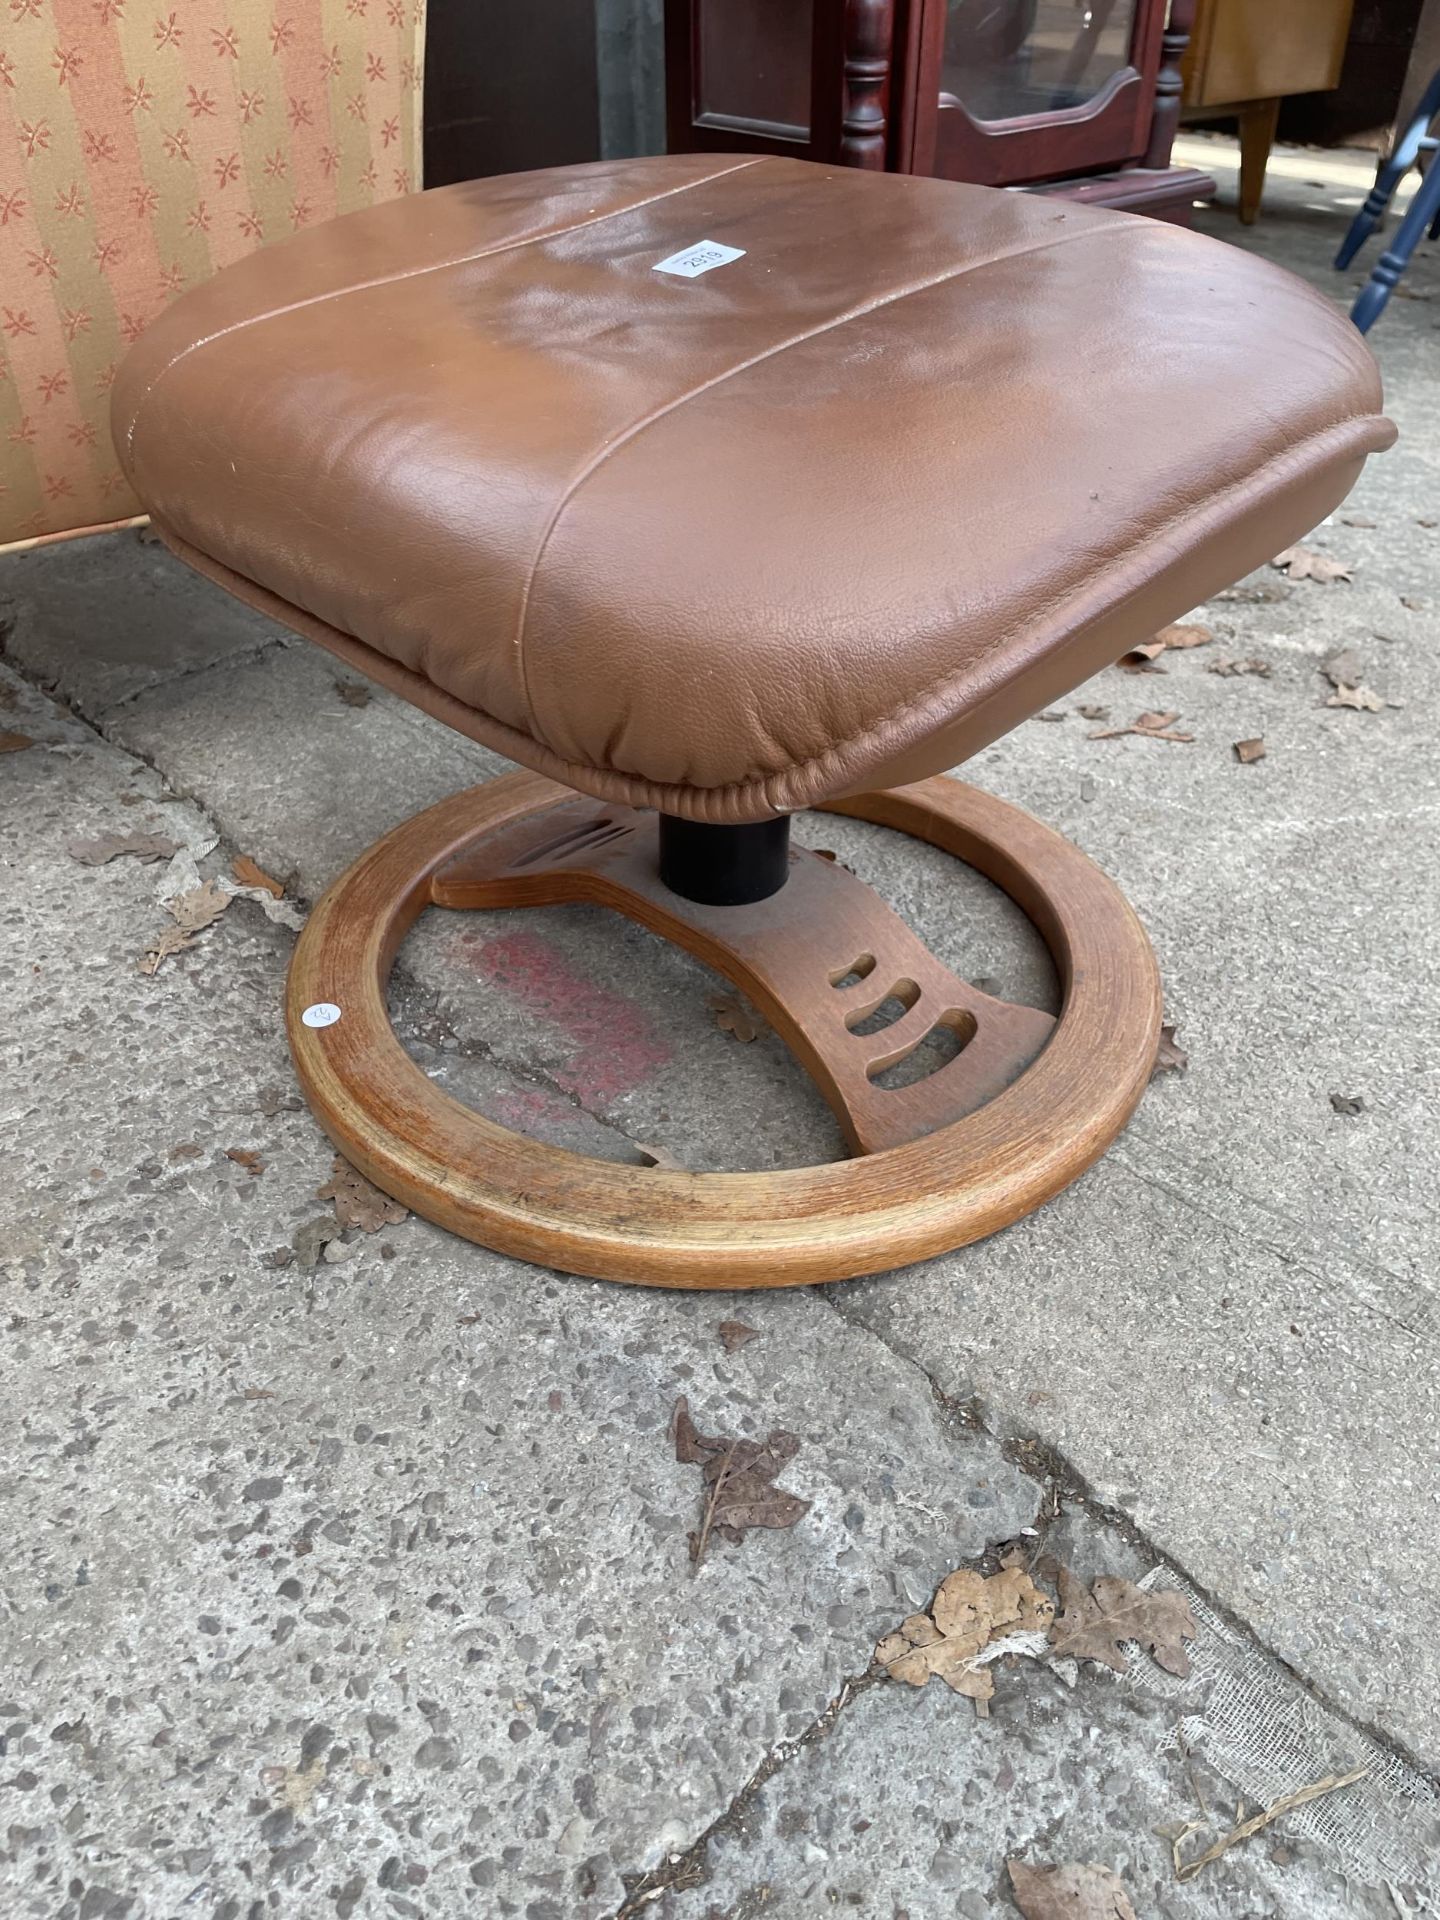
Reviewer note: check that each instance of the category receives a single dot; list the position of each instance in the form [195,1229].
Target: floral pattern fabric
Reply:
[143,145]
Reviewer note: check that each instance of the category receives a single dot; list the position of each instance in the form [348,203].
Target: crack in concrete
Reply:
[680,1872]
[1424,1306]
[276,643]
[1061,1481]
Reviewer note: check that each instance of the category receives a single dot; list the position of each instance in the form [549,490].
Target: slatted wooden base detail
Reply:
[1024,1107]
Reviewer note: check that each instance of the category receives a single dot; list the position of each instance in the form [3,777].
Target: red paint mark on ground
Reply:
[616,1046]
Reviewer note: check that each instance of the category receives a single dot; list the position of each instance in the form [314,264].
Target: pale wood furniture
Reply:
[1245,56]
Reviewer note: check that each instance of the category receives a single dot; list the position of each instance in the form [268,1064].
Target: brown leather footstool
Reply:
[716,488]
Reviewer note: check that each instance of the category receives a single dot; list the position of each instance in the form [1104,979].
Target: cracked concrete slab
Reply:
[364,1584]
[100,620]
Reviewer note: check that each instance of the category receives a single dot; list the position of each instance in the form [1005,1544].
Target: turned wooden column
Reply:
[1165,119]
[869,36]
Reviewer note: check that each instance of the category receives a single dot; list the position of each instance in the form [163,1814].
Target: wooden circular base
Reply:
[654,1226]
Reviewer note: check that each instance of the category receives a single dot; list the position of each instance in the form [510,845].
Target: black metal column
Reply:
[724,866]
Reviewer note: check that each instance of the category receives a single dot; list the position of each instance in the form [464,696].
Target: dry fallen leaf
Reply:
[1343,669]
[14,742]
[1347,1103]
[169,940]
[357,1203]
[273,1100]
[308,1243]
[735,1334]
[1093,713]
[1247,752]
[1175,639]
[194,911]
[354,693]
[739,1481]
[1229,669]
[1361,698]
[969,1614]
[1093,1622]
[1357,520]
[1169,1057]
[250,875]
[1303,563]
[247,1158]
[1149,726]
[732,1016]
[1077,1892]
[145,847]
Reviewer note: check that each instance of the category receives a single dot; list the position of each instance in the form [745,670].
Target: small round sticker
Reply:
[324,1013]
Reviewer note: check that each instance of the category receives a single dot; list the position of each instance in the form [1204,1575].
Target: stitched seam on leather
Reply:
[743,366]
[414,273]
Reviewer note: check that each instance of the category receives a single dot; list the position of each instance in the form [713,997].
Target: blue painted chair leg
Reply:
[1391,172]
[1387,270]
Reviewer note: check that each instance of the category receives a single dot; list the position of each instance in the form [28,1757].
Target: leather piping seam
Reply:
[415,273]
[857,312]
[639,790]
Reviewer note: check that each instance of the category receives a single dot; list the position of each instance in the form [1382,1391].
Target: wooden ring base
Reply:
[963,1178]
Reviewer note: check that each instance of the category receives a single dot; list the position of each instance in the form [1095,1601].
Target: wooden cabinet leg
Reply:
[1257,135]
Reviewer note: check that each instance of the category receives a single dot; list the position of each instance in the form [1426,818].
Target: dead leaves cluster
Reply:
[357,1203]
[732,1016]
[977,1619]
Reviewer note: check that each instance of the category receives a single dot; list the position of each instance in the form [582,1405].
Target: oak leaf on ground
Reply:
[739,1481]
[1094,1621]
[969,1614]
[1075,1892]
[1362,699]
[110,846]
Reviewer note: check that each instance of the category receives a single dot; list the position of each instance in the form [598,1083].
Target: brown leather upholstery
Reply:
[831,516]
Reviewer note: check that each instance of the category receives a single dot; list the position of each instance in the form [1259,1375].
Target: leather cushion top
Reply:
[832,514]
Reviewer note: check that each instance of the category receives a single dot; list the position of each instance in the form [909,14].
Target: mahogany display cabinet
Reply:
[1073,97]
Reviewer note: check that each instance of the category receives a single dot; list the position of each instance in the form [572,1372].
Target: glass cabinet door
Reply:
[1014,59]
